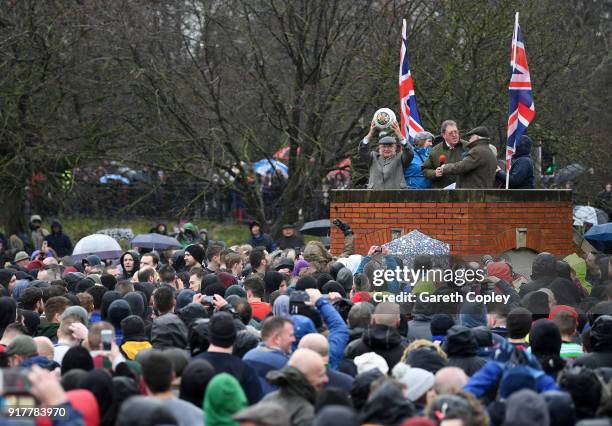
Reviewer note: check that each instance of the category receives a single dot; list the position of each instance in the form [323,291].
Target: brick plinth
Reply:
[473,222]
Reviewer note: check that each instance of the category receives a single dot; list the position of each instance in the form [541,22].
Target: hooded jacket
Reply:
[129,274]
[462,349]
[224,397]
[168,331]
[383,340]
[521,167]
[413,173]
[477,169]
[59,241]
[295,394]
[579,267]
[387,406]
[601,342]
[543,272]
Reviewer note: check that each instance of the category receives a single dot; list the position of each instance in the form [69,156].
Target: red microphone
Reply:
[442,159]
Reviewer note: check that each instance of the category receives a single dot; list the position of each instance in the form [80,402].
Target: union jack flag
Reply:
[411,122]
[521,110]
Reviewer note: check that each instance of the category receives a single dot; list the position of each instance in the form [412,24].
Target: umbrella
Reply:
[589,214]
[155,242]
[263,167]
[569,173]
[600,236]
[409,246]
[101,245]
[317,228]
[118,233]
[119,178]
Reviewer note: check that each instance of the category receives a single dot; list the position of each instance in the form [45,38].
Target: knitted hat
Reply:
[222,330]
[369,361]
[416,380]
[197,252]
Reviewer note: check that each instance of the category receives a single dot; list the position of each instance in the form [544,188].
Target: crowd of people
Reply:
[446,161]
[259,335]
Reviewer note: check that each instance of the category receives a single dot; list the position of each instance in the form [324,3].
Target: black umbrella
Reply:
[317,228]
[155,241]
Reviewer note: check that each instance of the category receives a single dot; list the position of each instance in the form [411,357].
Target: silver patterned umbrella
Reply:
[409,246]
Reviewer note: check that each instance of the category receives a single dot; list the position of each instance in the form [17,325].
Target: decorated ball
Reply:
[384,117]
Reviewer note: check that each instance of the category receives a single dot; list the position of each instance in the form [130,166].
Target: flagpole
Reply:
[514,42]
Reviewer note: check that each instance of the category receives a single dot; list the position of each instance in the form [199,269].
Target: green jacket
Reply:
[477,169]
[433,162]
[578,264]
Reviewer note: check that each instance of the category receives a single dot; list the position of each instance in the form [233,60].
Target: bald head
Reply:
[449,380]
[387,313]
[44,347]
[316,342]
[311,365]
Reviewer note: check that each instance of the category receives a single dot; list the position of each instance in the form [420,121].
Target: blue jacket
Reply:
[413,173]
[263,359]
[492,372]
[521,167]
[338,336]
[263,240]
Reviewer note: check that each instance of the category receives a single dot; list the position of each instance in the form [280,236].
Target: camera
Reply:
[208,300]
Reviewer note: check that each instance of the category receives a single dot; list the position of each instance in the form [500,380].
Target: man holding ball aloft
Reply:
[387,164]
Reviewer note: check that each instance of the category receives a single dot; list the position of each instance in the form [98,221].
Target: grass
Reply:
[78,228]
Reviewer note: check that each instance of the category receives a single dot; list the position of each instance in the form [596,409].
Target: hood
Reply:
[145,411]
[579,266]
[334,415]
[426,358]
[601,334]
[108,298]
[361,387]
[544,266]
[117,311]
[387,406]
[460,341]
[56,223]
[133,328]
[545,338]
[136,302]
[5,277]
[523,147]
[224,397]
[291,381]
[560,408]
[85,402]
[565,291]
[379,336]
[168,331]
[191,313]
[345,278]
[136,267]
[526,407]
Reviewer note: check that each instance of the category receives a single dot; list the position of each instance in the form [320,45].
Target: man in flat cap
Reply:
[386,165]
[477,169]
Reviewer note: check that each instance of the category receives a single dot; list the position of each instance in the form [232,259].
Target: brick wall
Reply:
[473,222]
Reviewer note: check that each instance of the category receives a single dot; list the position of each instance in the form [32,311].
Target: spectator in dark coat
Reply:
[543,272]
[521,167]
[381,337]
[462,349]
[59,241]
[601,344]
[259,239]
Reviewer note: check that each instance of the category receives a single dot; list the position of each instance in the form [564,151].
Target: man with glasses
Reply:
[448,151]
